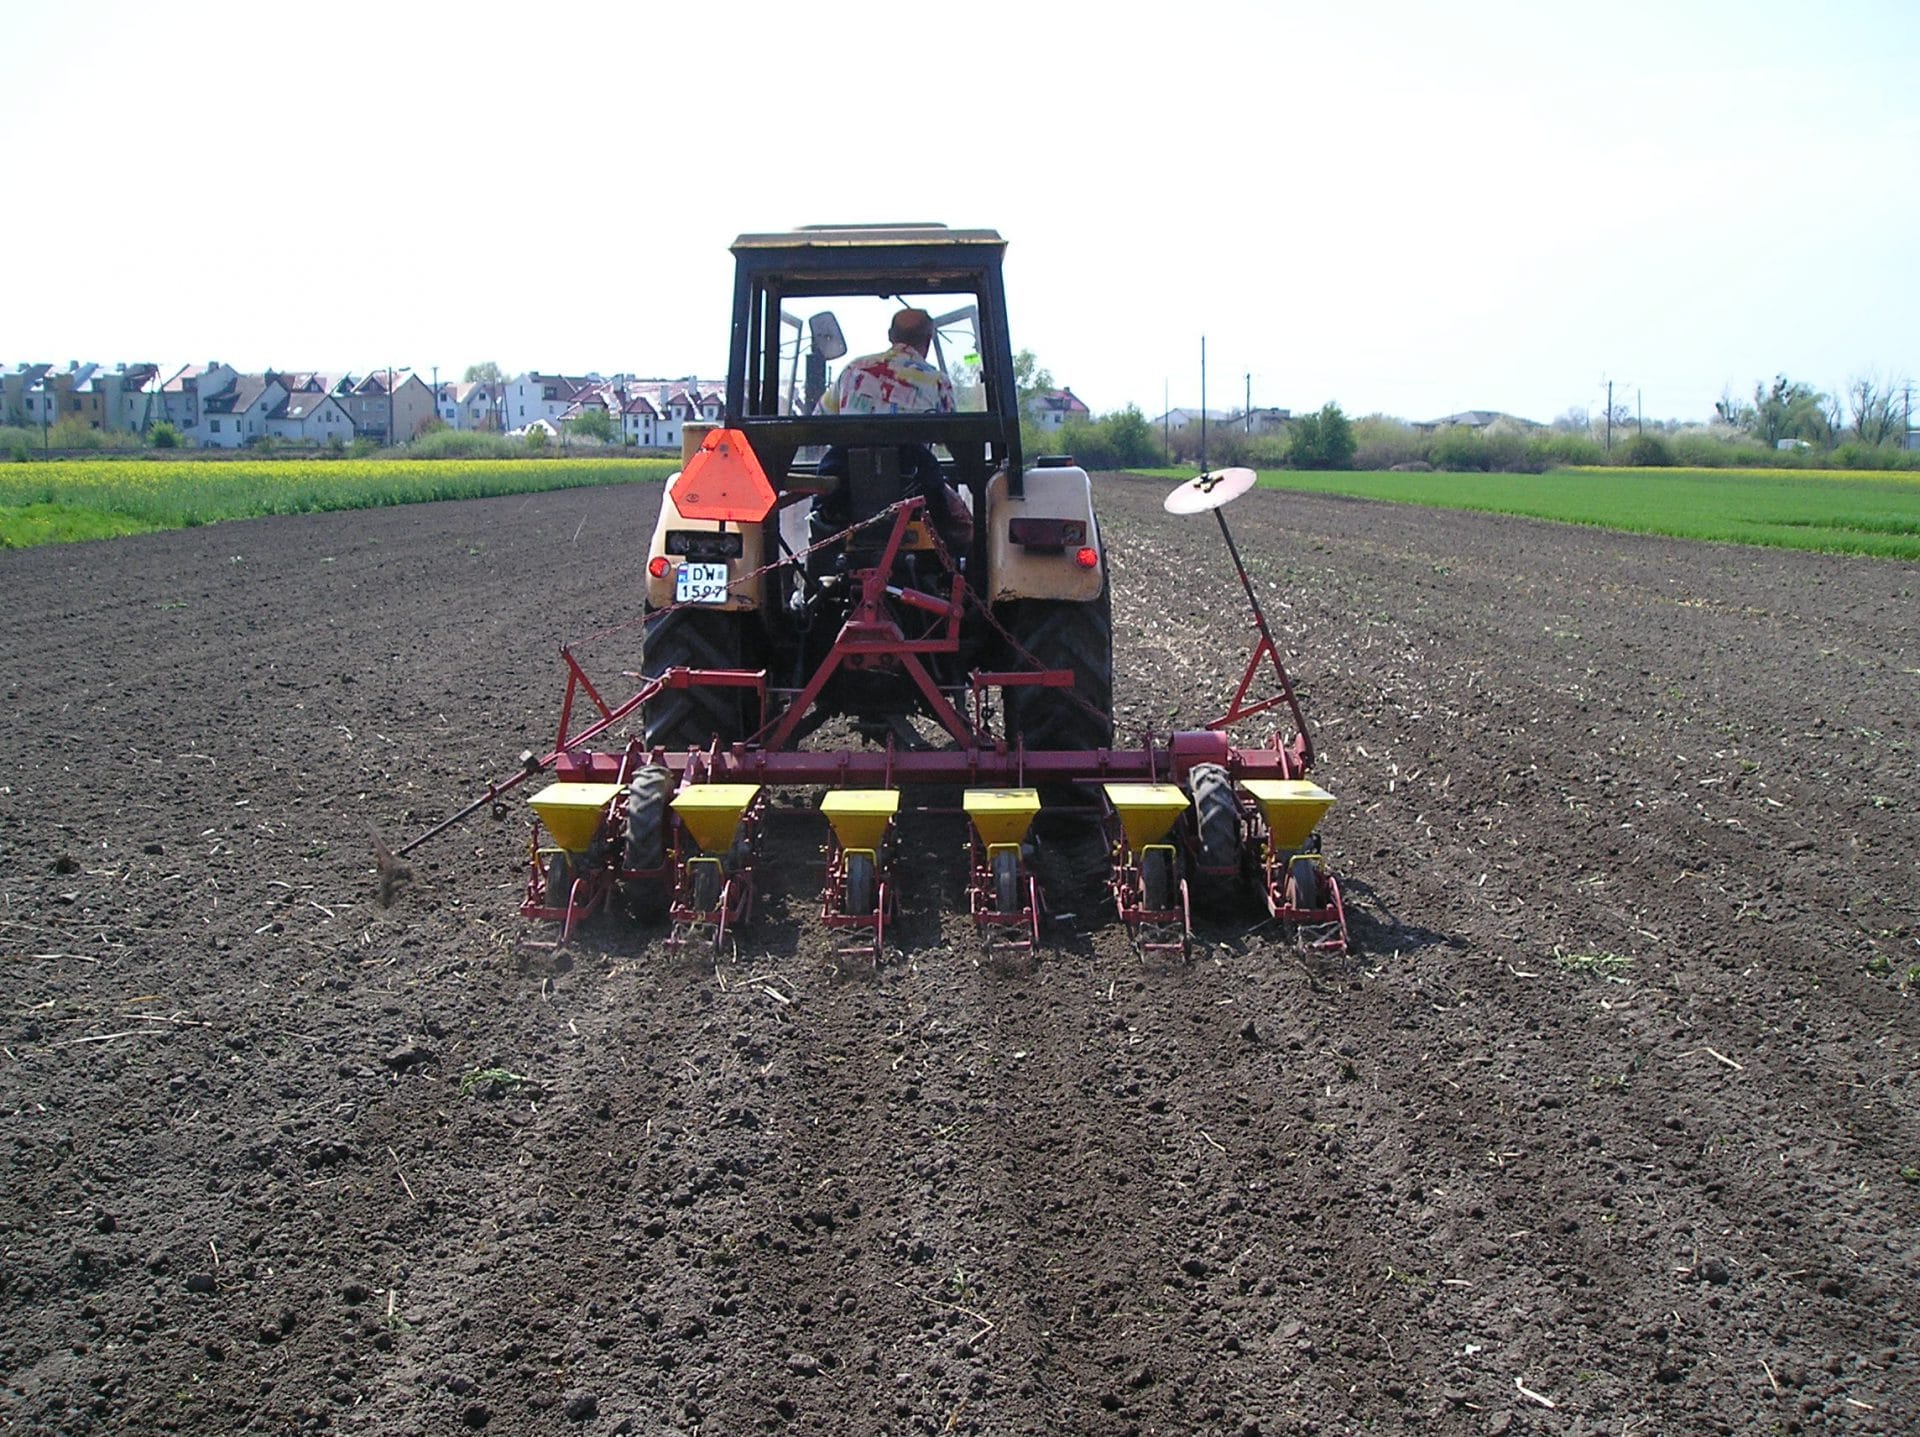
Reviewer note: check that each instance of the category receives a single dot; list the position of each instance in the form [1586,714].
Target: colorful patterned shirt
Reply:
[896,382]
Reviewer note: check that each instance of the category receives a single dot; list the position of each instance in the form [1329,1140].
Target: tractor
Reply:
[890,576]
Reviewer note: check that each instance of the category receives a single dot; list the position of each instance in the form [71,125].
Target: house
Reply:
[1178,419]
[14,389]
[1265,421]
[131,405]
[307,417]
[239,414]
[539,396]
[471,405]
[1472,419]
[640,422]
[389,406]
[1052,408]
[180,395]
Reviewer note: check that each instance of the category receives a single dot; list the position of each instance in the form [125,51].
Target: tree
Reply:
[1876,410]
[1790,409]
[1133,439]
[1321,441]
[595,423]
[1029,379]
[1732,412]
[485,372]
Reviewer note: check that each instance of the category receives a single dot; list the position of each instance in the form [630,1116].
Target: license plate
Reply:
[700,584]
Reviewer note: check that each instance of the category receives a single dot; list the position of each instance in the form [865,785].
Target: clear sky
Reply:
[1409,208]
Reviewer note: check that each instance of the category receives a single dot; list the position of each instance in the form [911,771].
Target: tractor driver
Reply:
[898,380]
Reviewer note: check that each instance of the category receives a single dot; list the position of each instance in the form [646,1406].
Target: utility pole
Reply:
[1609,416]
[1249,426]
[390,404]
[1203,404]
[1639,411]
[1166,421]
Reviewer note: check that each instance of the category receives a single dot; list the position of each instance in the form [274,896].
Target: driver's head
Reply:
[912,327]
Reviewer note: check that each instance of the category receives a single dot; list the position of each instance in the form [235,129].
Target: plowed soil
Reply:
[1608,1126]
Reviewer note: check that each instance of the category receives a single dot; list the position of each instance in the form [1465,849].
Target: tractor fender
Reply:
[1043,571]
[753,544]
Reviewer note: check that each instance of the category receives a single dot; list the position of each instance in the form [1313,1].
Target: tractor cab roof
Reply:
[869,236]
[842,259]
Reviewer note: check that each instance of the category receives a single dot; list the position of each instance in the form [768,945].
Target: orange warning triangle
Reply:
[724,481]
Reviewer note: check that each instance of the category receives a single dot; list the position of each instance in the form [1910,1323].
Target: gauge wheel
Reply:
[1006,883]
[1156,879]
[862,890]
[706,887]
[1303,878]
[559,880]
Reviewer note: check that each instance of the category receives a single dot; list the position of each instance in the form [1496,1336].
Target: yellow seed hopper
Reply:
[573,812]
[711,812]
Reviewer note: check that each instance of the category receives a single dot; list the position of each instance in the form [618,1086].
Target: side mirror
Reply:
[823,330]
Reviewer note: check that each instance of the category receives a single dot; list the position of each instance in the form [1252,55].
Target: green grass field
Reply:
[1875,513]
[63,501]
[1835,512]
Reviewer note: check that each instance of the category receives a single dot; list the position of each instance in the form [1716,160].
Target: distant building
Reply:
[1052,408]
[1178,419]
[389,406]
[310,418]
[1473,419]
[471,405]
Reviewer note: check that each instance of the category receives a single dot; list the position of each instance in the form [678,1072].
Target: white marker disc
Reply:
[1210,490]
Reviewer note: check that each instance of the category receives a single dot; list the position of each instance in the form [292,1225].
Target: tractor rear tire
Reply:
[1216,826]
[1063,634]
[645,848]
[1078,637]
[691,718]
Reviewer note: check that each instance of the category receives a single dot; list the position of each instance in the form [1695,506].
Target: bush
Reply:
[1321,441]
[20,443]
[1646,451]
[536,441]
[1875,456]
[164,436]
[1551,451]
[78,434]
[464,444]
[1381,442]
[1122,440]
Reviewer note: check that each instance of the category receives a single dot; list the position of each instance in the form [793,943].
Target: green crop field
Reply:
[50,503]
[1840,512]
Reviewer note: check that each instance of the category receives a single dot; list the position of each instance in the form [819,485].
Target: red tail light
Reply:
[658,566]
[1087,558]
